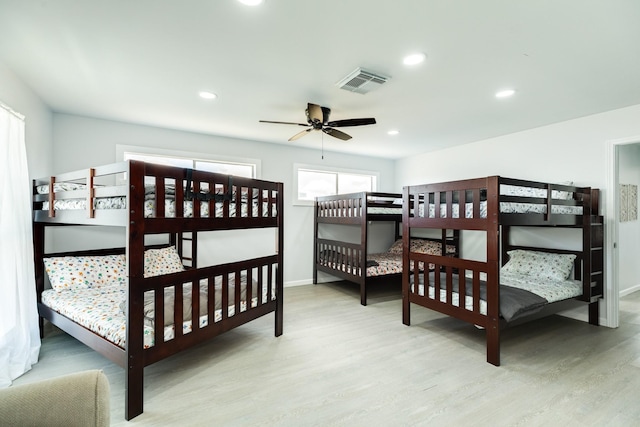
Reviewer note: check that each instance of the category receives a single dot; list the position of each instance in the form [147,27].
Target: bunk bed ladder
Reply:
[596,252]
[190,255]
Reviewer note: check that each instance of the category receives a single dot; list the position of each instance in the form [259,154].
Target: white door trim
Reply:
[612,293]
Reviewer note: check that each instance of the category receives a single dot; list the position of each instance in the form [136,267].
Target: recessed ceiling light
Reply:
[251,2]
[207,95]
[393,132]
[414,59]
[505,93]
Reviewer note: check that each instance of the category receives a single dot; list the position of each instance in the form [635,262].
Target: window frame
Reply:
[327,169]
[194,157]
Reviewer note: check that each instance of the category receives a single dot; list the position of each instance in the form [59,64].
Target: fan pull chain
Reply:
[322,139]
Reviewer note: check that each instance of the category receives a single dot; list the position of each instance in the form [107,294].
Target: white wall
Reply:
[629,231]
[81,142]
[38,126]
[574,150]
[38,121]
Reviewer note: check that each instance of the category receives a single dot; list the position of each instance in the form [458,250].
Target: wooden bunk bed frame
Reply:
[588,266]
[348,260]
[182,231]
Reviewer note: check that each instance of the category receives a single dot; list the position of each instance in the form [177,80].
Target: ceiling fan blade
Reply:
[326,112]
[352,122]
[284,123]
[300,134]
[336,134]
[314,113]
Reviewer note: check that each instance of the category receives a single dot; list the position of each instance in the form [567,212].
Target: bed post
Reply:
[135,265]
[493,270]
[406,232]
[362,209]
[38,255]
[315,241]
[280,268]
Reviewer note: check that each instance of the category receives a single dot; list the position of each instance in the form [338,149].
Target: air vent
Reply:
[361,81]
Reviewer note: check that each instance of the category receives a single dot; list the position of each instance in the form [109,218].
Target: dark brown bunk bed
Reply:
[351,260]
[177,205]
[495,205]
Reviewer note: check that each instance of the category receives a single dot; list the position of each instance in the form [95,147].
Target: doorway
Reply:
[623,237]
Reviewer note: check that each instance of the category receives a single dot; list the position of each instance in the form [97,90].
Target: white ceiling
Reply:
[144,61]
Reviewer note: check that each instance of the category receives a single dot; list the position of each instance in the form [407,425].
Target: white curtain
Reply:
[19,334]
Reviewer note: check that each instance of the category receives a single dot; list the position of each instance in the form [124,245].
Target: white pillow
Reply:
[545,265]
[84,272]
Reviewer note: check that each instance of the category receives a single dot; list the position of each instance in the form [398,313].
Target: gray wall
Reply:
[81,142]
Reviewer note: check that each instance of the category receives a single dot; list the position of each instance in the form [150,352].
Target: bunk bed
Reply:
[159,299]
[514,282]
[350,260]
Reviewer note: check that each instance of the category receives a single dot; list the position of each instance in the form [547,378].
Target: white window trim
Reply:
[121,149]
[298,166]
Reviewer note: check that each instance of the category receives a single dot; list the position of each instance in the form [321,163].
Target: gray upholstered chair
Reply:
[80,399]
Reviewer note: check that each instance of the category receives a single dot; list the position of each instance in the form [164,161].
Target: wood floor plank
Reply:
[342,364]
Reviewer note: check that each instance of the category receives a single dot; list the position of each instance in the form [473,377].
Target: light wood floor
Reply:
[341,364]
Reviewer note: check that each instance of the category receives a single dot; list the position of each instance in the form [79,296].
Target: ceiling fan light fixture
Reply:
[393,132]
[318,120]
[251,2]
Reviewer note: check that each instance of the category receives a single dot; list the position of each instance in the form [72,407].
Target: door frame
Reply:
[612,197]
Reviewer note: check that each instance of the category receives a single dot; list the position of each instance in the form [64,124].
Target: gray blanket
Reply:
[514,302]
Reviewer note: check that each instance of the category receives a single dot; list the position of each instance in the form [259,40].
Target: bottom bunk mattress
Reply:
[384,263]
[520,295]
[103,311]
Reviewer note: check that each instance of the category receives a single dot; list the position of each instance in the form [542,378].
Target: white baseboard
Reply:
[298,283]
[629,290]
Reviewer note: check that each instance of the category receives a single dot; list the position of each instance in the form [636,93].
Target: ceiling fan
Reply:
[318,119]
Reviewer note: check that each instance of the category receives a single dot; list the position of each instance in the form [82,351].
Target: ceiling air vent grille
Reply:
[361,81]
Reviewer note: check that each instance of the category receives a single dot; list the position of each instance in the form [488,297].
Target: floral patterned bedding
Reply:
[382,210]
[505,207]
[99,310]
[120,202]
[390,262]
[169,207]
[511,207]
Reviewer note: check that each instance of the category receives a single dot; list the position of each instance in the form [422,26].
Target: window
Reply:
[312,182]
[229,166]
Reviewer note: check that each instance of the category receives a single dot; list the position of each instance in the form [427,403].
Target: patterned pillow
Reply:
[84,272]
[425,246]
[542,264]
[422,246]
[516,190]
[162,261]
[396,248]
[60,186]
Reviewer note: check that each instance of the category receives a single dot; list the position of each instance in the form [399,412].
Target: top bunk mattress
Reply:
[505,207]
[522,207]
[249,206]
[352,205]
